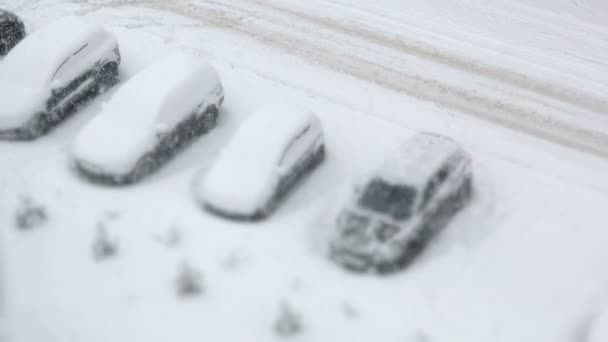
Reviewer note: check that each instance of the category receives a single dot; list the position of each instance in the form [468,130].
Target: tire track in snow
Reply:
[478,102]
[434,53]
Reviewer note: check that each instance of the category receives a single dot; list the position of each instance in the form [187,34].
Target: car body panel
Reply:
[144,111]
[370,238]
[55,68]
[260,162]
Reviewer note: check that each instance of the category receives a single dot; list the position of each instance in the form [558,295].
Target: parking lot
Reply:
[524,262]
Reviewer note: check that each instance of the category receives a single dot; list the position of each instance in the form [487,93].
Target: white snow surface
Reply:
[246,173]
[153,102]
[598,331]
[524,262]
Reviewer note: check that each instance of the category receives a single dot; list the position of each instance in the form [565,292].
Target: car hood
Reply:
[19,104]
[106,147]
[237,189]
[364,243]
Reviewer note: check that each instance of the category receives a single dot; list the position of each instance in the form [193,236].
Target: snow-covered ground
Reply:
[522,86]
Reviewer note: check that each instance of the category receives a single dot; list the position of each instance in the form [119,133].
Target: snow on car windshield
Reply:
[394,200]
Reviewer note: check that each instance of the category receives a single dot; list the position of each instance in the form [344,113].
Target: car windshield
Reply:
[394,200]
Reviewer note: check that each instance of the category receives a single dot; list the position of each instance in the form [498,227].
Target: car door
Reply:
[435,189]
[71,77]
[300,147]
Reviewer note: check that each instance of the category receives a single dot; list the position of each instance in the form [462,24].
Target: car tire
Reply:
[144,167]
[107,76]
[14,32]
[211,115]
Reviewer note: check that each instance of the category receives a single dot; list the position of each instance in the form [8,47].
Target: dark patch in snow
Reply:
[189,281]
[104,246]
[233,261]
[288,323]
[30,214]
[349,310]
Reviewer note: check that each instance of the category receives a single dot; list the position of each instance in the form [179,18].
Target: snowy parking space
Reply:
[524,262]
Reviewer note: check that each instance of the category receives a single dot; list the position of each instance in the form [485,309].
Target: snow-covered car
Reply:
[12,31]
[410,198]
[149,119]
[271,153]
[53,71]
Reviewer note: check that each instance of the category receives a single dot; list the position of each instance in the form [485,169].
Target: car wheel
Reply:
[264,212]
[38,126]
[143,168]
[107,76]
[14,33]
[211,117]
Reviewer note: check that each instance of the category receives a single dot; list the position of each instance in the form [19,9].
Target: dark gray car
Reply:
[390,220]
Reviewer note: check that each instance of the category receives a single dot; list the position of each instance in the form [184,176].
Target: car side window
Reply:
[63,71]
[294,149]
[443,173]
[438,178]
[429,192]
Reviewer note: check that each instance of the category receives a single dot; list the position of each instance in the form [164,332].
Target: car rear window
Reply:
[395,200]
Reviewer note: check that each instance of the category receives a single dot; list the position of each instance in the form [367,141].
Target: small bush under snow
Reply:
[349,310]
[104,246]
[288,323]
[30,214]
[189,281]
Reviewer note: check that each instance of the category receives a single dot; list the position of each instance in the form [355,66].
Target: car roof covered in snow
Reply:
[265,134]
[247,164]
[163,93]
[152,101]
[416,160]
[37,57]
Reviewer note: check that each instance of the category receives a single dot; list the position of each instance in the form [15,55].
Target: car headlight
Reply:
[352,224]
[386,231]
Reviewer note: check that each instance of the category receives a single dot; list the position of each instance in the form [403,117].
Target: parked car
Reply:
[149,119]
[12,31]
[271,153]
[408,200]
[53,71]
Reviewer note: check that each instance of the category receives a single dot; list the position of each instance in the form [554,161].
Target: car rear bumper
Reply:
[98,175]
[257,215]
[350,260]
